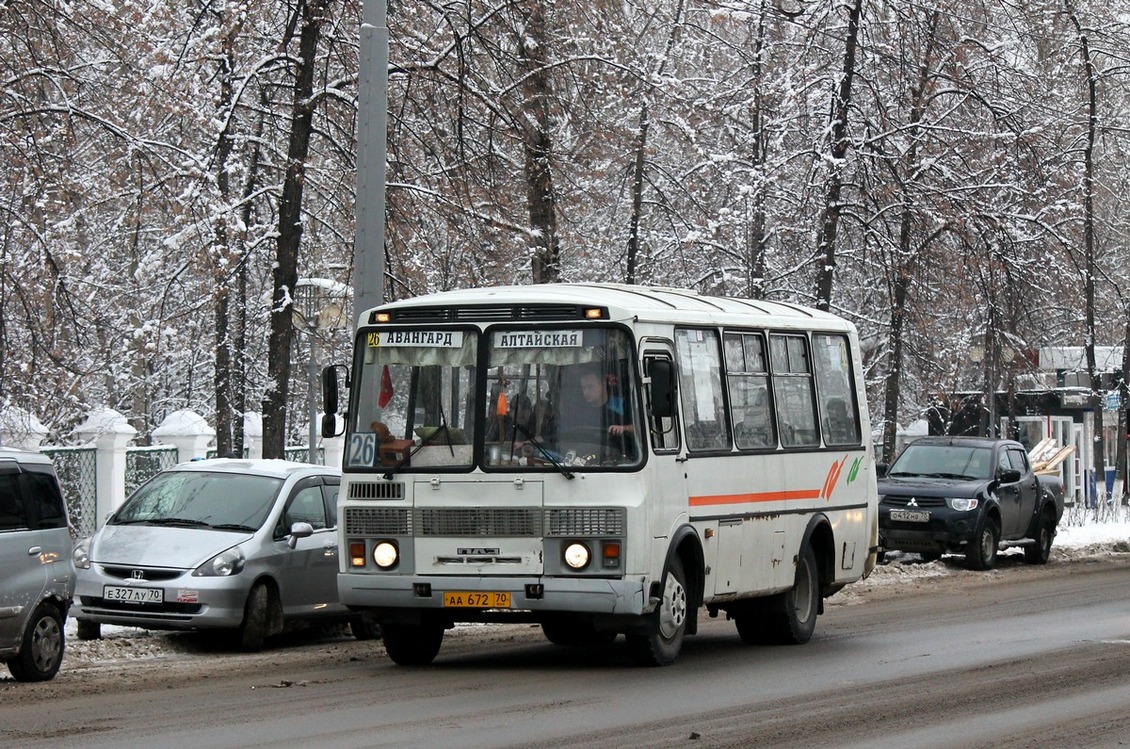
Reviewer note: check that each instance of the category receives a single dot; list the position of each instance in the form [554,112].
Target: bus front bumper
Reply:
[616,597]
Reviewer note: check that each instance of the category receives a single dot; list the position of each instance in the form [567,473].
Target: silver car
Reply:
[36,577]
[242,545]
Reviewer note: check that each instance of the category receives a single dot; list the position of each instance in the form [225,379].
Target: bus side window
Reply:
[839,418]
[700,388]
[792,390]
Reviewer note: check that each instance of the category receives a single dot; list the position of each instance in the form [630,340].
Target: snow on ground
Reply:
[1079,536]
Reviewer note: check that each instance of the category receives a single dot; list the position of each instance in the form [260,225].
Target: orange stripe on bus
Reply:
[736,499]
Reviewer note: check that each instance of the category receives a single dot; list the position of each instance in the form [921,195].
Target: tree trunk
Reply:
[837,150]
[285,272]
[538,143]
[222,250]
[1099,448]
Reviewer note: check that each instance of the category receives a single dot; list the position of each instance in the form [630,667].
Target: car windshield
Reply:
[201,499]
[943,461]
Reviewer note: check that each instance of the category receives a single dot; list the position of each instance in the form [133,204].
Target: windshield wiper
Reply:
[533,440]
[940,475]
[902,473]
[234,527]
[177,521]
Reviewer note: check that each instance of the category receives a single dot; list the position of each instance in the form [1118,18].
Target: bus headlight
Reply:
[577,555]
[386,555]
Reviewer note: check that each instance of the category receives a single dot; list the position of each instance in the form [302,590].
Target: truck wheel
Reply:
[412,644]
[982,550]
[662,647]
[41,648]
[1041,551]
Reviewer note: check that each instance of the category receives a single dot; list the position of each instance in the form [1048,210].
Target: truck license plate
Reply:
[133,595]
[478,599]
[911,516]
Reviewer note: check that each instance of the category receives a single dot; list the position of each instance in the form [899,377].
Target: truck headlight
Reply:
[961,504]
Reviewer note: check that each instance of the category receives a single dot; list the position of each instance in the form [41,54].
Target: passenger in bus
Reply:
[613,409]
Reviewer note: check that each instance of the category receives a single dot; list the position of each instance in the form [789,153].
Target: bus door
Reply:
[666,503]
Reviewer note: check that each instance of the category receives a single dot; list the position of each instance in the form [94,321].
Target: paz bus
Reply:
[601,460]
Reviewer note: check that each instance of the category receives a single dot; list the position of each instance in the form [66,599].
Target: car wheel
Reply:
[88,630]
[363,628]
[1041,551]
[412,644]
[42,645]
[662,646]
[253,629]
[982,551]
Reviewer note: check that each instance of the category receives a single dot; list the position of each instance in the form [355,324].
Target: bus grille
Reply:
[492,522]
[584,521]
[377,490]
[478,521]
[375,521]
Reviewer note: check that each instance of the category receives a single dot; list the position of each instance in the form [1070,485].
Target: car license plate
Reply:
[911,516]
[479,599]
[133,595]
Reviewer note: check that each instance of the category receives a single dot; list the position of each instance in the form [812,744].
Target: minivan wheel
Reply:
[41,651]
[253,629]
[88,630]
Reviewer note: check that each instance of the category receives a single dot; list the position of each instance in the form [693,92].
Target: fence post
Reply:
[188,432]
[21,429]
[253,434]
[334,448]
[109,432]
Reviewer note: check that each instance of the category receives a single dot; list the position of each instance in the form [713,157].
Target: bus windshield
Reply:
[550,399]
[564,397]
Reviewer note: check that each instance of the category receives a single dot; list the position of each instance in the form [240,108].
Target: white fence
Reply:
[99,473]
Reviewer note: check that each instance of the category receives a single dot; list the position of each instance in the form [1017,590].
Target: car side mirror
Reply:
[1009,476]
[297,531]
[881,470]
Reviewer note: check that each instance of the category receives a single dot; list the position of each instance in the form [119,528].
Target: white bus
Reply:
[601,460]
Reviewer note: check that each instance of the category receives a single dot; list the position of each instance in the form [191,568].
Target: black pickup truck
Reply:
[967,495]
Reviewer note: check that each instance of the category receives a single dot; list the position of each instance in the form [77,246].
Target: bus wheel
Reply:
[791,616]
[661,647]
[412,644]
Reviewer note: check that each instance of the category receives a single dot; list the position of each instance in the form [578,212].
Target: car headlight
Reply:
[81,555]
[225,563]
[961,504]
[577,555]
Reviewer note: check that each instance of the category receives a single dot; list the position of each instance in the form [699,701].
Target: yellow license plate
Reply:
[490,599]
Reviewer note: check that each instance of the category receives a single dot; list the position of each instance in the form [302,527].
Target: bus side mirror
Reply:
[662,375]
[329,401]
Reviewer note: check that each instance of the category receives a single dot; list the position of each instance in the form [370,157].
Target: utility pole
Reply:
[372,149]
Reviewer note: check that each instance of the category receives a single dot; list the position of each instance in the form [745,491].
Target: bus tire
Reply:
[662,646]
[412,644]
[791,616]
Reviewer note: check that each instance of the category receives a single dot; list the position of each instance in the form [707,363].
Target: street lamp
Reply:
[318,305]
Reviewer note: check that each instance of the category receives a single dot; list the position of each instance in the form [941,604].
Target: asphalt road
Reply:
[1019,657]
